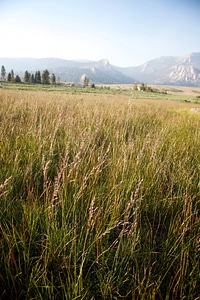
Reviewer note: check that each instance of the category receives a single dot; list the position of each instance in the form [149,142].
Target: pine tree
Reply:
[26,76]
[53,78]
[86,81]
[12,76]
[9,77]
[45,77]
[17,79]
[3,72]
[32,79]
[37,77]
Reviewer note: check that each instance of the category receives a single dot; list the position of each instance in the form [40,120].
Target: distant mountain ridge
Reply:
[169,70]
[68,70]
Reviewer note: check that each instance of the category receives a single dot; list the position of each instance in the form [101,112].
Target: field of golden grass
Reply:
[180,90]
[99,195]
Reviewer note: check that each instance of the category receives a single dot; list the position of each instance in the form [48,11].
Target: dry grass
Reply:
[176,90]
[99,197]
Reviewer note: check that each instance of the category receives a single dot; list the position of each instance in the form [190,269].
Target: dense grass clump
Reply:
[100,197]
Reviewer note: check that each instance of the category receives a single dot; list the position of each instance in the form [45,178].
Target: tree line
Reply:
[143,87]
[38,77]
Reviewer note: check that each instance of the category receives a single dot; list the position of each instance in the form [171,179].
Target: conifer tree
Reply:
[3,72]
[9,77]
[12,76]
[45,77]
[86,81]
[32,79]
[37,77]
[53,78]
[17,79]
[26,76]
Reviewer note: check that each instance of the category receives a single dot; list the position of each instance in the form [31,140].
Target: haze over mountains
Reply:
[168,70]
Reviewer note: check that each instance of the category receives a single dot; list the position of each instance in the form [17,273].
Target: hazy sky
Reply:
[126,32]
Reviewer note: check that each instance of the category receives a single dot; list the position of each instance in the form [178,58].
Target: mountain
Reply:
[168,70]
[101,72]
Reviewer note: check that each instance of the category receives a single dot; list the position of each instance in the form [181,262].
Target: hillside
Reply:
[168,70]
[101,72]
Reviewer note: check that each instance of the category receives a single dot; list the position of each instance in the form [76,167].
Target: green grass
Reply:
[100,197]
[63,88]
[159,92]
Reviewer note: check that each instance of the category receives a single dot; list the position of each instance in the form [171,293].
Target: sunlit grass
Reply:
[99,197]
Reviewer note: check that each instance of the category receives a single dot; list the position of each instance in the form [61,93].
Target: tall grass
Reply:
[100,197]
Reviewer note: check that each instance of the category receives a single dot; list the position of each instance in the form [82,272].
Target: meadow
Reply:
[99,195]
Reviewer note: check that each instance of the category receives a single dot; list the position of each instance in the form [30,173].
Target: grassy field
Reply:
[100,195]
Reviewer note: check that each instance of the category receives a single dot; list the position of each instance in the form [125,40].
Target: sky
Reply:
[126,32]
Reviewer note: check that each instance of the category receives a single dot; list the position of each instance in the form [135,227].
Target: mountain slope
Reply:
[184,70]
[101,72]
[169,70]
